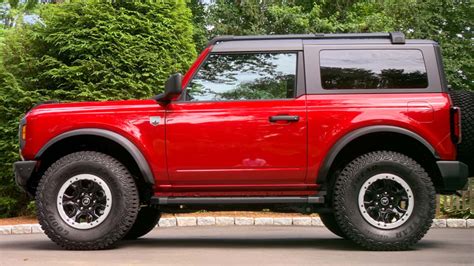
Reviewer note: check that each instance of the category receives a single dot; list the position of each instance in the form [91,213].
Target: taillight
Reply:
[456,125]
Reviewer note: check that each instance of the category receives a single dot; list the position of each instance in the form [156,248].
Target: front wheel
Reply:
[86,200]
[384,201]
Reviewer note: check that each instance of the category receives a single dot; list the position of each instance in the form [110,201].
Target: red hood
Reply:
[93,106]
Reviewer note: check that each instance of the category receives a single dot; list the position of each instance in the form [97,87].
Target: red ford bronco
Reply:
[357,127]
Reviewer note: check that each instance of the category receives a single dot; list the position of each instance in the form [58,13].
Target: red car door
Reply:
[240,124]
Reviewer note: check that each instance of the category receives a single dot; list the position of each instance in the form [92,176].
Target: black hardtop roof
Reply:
[394,37]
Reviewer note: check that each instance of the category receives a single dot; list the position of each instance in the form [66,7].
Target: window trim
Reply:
[299,75]
[369,50]
[313,77]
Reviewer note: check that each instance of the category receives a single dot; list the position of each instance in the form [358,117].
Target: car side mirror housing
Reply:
[172,89]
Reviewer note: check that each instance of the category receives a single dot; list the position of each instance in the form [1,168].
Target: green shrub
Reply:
[86,51]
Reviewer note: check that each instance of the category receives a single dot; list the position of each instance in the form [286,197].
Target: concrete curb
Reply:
[236,221]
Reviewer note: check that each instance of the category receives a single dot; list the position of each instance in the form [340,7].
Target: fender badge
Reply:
[155,120]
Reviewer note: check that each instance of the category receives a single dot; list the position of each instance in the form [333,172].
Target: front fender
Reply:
[119,139]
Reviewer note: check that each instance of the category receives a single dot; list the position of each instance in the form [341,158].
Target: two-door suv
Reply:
[357,127]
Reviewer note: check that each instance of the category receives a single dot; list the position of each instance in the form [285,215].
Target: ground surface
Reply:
[234,245]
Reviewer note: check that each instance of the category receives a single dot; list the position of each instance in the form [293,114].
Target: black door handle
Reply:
[289,118]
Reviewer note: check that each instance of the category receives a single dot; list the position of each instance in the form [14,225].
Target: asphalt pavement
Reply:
[235,245]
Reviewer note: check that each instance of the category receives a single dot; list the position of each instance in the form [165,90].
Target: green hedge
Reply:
[86,51]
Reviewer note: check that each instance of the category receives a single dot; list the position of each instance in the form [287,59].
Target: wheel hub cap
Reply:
[84,201]
[386,201]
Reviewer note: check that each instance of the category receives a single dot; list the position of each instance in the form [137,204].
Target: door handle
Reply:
[289,118]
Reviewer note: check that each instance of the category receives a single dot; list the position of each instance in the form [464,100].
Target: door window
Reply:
[254,76]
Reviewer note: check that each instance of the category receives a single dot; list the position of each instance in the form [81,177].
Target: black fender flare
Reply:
[349,137]
[136,154]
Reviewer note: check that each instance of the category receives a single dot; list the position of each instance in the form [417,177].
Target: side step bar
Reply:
[235,200]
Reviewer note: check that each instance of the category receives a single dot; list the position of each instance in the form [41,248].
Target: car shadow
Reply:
[218,243]
[204,242]
[265,243]
[240,243]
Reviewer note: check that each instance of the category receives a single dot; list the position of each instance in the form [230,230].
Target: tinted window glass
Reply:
[372,69]
[244,77]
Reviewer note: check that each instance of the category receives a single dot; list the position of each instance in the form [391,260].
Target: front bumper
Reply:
[24,170]
[455,175]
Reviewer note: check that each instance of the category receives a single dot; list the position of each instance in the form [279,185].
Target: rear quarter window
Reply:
[372,69]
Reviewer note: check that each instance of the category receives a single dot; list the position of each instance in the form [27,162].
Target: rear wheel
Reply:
[86,200]
[384,201]
[329,220]
[146,220]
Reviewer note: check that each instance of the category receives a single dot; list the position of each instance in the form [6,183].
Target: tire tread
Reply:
[130,194]
[351,231]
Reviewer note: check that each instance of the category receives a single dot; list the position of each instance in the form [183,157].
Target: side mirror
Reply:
[172,89]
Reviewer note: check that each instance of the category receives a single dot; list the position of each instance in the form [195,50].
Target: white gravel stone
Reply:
[21,229]
[263,221]
[305,221]
[456,223]
[282,221]
[36,229]
[167,222]
[211,221]
[439,223]
[5,229]
[206,221]
[186,221]
[243,221]
[316,221]
[224,220]
[470,223]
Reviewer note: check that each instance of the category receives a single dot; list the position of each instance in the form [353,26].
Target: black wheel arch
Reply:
[103,134]
[336,152]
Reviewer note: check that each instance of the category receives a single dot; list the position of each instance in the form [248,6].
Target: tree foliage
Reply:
[82,52]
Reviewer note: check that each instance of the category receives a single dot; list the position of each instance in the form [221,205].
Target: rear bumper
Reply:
[455,175]
[23,172]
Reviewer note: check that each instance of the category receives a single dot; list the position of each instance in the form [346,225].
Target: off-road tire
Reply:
[357,228]
[465,100]
[329,220]
[123,211]
[147,219]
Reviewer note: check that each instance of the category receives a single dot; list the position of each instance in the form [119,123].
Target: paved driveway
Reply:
[236,245]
